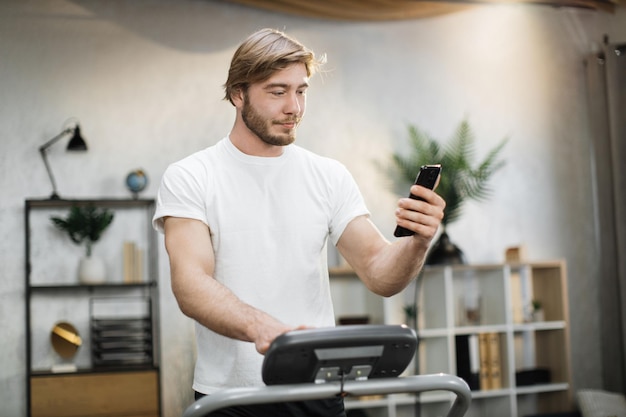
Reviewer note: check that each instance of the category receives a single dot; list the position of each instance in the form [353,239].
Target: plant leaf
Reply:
[461,179]
[84,224]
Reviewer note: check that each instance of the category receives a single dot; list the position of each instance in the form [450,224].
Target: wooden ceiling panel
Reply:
[372,10]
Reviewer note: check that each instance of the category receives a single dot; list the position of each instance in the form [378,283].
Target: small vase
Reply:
[91,270]
[538,315]
[444,252]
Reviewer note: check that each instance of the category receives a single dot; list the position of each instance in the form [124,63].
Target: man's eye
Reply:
[278,92]
[302,92]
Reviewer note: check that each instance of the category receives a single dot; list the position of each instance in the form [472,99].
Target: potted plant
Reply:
[461,179]
[410,314]
[537,310]
[85,225]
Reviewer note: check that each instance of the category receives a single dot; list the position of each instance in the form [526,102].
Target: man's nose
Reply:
[293,106]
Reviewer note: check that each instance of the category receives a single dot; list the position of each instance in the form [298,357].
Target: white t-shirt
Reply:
[269,220]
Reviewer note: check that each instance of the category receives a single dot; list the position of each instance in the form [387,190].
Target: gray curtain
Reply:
[606,79]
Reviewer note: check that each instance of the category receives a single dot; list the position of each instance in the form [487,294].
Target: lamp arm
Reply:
[42,151]
[51,142]
[54,195]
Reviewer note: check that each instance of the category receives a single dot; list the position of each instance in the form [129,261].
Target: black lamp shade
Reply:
[77,143]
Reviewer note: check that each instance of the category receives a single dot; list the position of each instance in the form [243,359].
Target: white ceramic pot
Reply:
[91,270]
[538,315]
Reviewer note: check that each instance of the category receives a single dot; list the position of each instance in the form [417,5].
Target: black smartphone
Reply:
[427,177]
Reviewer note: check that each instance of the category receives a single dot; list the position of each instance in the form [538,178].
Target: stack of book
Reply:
[478,360]
[121,342]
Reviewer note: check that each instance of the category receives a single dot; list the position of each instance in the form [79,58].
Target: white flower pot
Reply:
[538,315]
[91,270]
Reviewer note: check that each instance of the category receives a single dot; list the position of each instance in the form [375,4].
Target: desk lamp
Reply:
[76,143]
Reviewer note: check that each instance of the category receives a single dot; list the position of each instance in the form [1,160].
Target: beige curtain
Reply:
[379,10]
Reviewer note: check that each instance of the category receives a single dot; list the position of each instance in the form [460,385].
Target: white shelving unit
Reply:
[470,300]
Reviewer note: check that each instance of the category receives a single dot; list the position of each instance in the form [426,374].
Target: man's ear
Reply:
[237,97]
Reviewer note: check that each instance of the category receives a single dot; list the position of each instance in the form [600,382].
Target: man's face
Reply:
[272,109]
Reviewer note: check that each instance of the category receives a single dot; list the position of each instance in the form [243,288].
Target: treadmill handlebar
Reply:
[312,391]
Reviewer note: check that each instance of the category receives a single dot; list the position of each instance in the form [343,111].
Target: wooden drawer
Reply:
[111,394]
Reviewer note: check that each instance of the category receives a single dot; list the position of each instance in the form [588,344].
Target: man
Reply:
[246,223]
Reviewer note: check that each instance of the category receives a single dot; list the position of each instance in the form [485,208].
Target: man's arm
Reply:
[204,299]
[386,268]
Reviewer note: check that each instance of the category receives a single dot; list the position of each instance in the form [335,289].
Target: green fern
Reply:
[84,224]
[461,179]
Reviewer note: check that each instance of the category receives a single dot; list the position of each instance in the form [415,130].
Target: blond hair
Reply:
[262,54]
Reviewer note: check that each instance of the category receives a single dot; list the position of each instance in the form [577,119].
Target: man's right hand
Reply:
[265,338]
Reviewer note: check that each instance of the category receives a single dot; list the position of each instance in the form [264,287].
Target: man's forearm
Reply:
[214,306]
[395,266]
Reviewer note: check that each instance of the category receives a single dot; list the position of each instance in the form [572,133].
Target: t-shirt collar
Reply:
[257,160]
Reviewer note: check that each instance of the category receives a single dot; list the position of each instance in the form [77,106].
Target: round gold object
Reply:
[65,339]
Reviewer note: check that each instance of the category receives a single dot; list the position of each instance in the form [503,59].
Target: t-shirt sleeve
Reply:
[180,195]
[348,203]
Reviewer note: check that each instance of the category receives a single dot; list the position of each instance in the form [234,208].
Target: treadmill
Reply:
[344,361]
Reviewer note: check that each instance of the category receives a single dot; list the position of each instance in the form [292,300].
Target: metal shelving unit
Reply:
[53,293]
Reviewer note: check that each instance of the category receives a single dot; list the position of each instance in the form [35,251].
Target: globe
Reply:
[136,181]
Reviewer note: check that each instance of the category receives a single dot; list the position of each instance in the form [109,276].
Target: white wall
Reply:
[144,77]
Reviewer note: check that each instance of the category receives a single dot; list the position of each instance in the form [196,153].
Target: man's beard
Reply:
[261,126]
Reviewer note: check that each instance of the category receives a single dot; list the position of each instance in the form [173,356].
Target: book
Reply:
[483,348]
[495,364]
[467,362]
[128,261]
[474,352]
[133,260]
[138,265]
[517,300]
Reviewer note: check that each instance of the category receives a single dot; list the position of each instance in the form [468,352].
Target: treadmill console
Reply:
[339,353]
